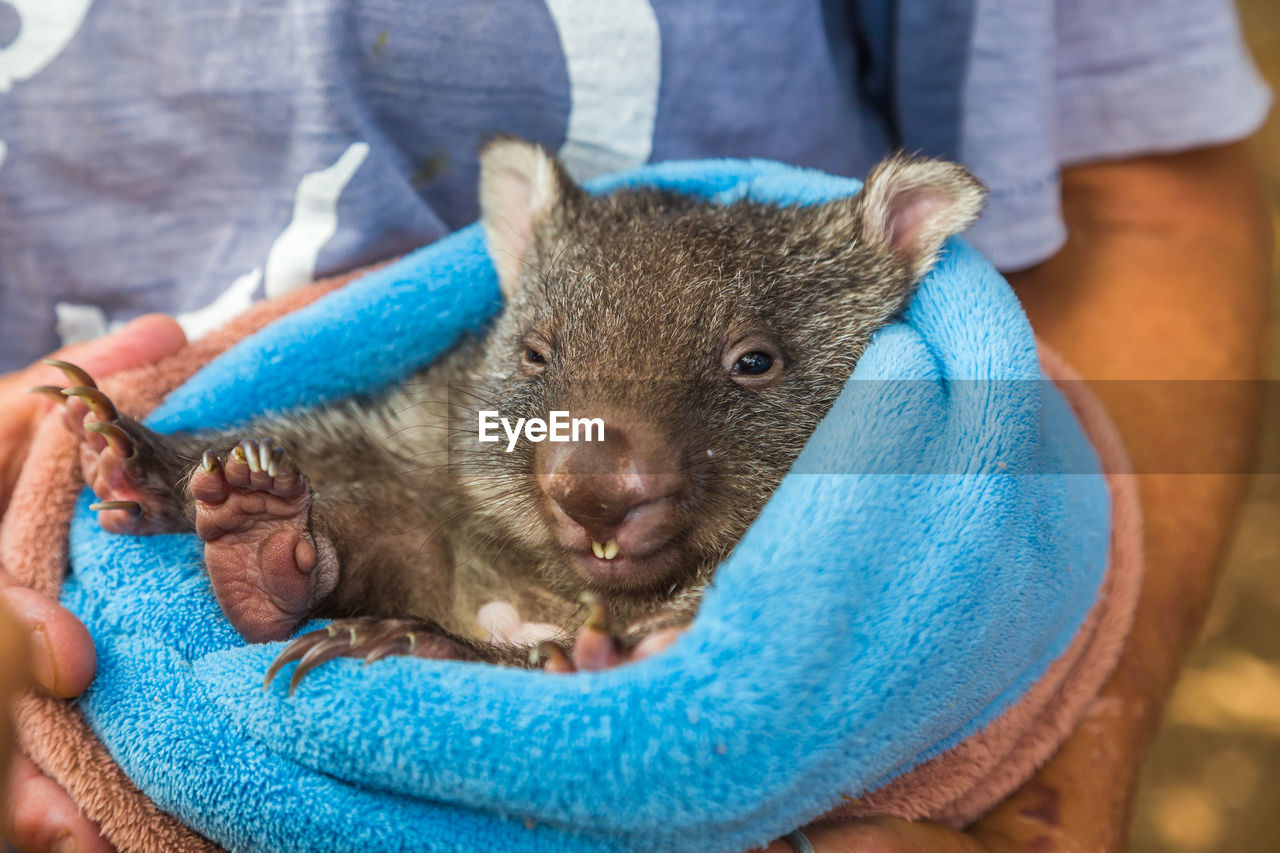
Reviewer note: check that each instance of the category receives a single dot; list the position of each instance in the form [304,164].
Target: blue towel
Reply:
[937,545]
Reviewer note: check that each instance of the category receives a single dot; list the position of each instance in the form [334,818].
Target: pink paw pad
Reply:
[253,512]
[596,647]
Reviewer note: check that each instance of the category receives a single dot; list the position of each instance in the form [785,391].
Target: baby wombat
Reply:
[705,340]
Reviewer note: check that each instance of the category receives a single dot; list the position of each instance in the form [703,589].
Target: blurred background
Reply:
[1212,781]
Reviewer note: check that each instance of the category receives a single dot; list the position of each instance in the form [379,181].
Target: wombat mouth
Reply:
[639,549]
[628,571]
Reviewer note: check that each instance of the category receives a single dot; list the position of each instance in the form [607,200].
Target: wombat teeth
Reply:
[607,551]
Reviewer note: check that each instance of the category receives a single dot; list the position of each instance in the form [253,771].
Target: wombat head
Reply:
[709,340]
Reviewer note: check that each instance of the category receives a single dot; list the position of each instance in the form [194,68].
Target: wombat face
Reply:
[708,340]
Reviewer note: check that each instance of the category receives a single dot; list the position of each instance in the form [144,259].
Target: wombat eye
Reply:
[532,360]
[753,364]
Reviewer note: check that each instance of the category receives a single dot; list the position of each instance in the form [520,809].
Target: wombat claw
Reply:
[596,646]
[310,650]
[260,456]
[100,404]
[551,656]
[109,455]
[75,375]
[370,639]
[82,387]
[116,437]
[597,611]
[132,507]
[53,392]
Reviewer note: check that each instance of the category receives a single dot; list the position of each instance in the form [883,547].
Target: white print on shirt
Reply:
[613,108]
[291,260]
[76,323]
[613,53]
[47,28]
[291,263]
[233,301]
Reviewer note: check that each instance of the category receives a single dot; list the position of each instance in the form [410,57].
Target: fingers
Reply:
[62,657]
[13,677]
[889,835]
[145,340]
[41,816]
[35,813]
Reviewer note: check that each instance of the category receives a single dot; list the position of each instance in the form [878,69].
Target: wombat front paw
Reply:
[109,457]
[268,567]
[597,646]
[370,638]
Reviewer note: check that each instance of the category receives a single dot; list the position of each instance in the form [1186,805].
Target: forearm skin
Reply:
[1164,277]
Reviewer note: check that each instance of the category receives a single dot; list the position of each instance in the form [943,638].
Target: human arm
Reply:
[1163,277]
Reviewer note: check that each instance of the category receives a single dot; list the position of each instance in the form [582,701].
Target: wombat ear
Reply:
[520,183]
[910,208]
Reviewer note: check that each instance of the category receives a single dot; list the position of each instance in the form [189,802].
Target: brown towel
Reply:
[33,549]
[956,787]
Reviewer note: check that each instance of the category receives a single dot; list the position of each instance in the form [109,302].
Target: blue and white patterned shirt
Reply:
[191,157]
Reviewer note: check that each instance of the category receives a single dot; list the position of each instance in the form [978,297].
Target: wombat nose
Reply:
[599,484]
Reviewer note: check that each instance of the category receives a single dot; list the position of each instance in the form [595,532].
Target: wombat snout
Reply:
[614,504]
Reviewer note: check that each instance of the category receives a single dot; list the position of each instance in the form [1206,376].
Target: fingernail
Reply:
[65,843]
[44,670]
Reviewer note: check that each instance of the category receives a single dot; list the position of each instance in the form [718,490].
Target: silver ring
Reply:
[799,841]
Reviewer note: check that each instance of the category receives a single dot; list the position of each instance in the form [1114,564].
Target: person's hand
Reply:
[57,649]
[13,677]
[52,646]
[144,341]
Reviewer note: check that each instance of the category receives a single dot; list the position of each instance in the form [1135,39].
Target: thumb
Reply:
[143,341]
